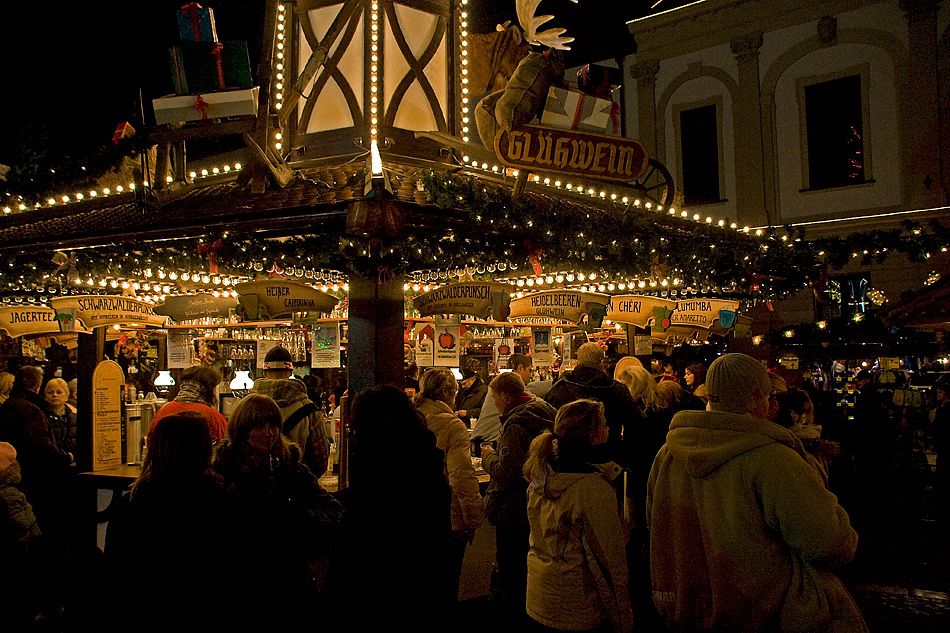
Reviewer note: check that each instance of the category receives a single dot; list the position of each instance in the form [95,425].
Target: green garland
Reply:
[502,231]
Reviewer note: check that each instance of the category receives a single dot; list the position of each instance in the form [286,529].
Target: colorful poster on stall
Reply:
[99,310]
[542,352]
[179,349]
[425,350]
[423,342]
[503,349]
[107,382]
[263,347]
[447,344]
[325,345]
[482,299]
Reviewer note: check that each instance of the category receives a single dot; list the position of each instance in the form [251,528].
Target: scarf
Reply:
[191,392]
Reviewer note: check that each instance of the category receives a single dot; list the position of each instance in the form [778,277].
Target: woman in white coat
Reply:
[436,401]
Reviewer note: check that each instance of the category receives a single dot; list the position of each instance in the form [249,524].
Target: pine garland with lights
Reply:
[493,235]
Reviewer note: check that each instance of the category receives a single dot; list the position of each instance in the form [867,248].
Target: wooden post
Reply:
[91,350]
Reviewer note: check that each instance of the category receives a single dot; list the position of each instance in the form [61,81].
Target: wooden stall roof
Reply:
[318,194]
[928,308]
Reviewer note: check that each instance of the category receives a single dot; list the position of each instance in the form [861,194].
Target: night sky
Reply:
[72,70]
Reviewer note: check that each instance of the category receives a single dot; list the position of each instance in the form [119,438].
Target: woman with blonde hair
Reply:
[436,401]
[577,566]
[642,386]
[61,414]
[287,519]
[6,385]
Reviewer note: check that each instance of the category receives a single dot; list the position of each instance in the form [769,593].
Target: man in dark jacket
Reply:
[471,395]
[624,418]
[44,466]
[523,417]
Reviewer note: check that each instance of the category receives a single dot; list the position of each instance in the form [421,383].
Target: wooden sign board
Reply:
[188,307]
[567,305]
[24,320]
[100,310]
[482,299]
[275,298]
[571,152]
[107,381]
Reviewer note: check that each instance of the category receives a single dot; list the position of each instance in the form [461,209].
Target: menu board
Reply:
[179,349]
[107,381]
[325,346]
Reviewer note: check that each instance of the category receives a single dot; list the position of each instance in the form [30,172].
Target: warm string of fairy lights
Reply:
[279,69]
[374,72]
[588,192]
[463,52]
[95,194]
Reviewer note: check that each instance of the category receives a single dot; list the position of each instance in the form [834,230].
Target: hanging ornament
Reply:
[210,250]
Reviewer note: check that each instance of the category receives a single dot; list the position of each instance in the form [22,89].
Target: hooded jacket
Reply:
[624,418]
[743,531]
[577,566]
[452,437]
[19,533]
[303,421]
[506,497]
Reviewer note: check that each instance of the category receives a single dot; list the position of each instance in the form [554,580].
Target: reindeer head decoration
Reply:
[552,38]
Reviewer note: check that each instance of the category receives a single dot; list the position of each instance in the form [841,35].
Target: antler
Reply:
[530,22]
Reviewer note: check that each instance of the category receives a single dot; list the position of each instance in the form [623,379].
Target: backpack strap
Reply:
[294,418]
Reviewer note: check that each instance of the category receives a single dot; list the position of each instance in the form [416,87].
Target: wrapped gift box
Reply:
[598,80]
[571,109]
[196,24]
[212,105]
[200,68]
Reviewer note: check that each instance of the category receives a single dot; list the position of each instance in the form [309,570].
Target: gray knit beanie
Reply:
[735,383]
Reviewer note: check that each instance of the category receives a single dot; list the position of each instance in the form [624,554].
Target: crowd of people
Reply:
[640,500]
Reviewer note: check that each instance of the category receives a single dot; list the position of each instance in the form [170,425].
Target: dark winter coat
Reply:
[390,562]
[44,465]
[63,428]
[470,401]
[624,417]
[286,521]
[506,500]
[173,548]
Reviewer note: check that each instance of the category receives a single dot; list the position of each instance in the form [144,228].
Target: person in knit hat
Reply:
[743,532]
[303,422]
[197,391]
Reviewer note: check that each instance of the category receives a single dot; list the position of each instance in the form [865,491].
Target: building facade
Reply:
[820,113]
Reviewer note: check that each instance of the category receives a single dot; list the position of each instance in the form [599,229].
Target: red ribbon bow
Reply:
[385,276]
[216,51]
[211,250]
[192,10]
[201,106]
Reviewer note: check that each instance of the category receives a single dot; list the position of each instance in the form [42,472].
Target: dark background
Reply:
[73,70]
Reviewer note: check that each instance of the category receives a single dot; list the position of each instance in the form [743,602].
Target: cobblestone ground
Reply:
[901,575]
